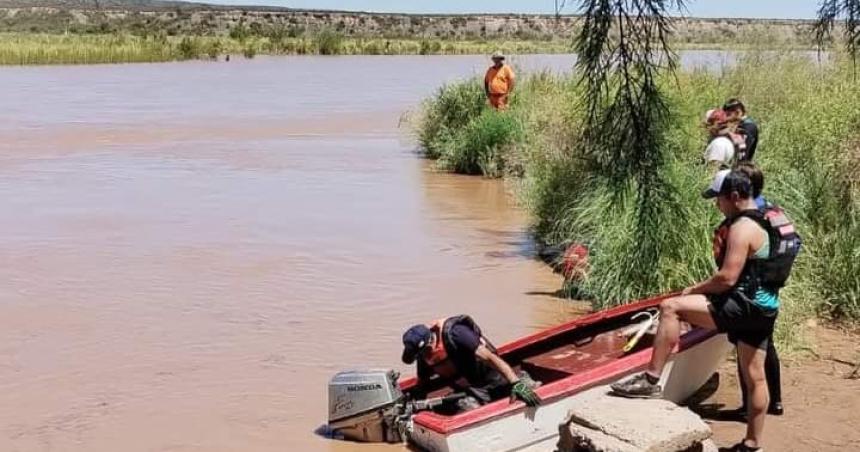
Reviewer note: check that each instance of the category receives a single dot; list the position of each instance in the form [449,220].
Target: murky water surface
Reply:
[190,250]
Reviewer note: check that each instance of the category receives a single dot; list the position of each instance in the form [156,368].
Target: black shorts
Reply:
[742,320]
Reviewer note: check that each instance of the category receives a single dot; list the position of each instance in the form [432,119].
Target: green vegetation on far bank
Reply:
[72,48]
[810,152]
[30,48]
[80,32]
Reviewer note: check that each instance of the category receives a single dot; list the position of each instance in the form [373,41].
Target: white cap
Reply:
[717,184]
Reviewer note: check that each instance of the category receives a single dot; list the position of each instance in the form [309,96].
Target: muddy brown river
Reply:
[191,250]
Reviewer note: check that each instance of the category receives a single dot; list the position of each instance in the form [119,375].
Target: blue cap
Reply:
[414,339]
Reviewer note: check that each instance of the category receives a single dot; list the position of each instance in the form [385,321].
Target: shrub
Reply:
[328,42]
[479,147]
[452,108]
[239,32]
[429,47]
[249,51]
[188,48]
[215,49]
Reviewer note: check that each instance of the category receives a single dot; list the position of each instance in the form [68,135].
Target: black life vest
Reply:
[750,129]
[785,243]
[448,361]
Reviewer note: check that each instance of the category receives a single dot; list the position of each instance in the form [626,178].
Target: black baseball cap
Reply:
[414,339]
[727,181]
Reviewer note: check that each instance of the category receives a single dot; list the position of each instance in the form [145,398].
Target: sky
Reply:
[781,9]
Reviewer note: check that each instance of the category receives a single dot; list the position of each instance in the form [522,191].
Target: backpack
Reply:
[785,245]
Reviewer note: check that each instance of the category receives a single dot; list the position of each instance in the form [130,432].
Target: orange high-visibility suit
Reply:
[499,82]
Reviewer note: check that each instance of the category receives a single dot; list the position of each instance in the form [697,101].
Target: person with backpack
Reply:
[754,252]
[725,144]
[737,113]
[771,363]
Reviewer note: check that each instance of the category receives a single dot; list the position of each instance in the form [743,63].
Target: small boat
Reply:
[568,359]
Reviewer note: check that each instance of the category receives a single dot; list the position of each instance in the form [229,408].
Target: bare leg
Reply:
[689,308]
[752,365]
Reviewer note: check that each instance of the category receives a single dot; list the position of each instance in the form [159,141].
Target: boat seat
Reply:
[572,358]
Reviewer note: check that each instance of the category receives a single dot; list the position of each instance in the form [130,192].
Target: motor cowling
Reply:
[366,406]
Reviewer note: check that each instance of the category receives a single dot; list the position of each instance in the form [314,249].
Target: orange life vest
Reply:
[438,357]
[437,353]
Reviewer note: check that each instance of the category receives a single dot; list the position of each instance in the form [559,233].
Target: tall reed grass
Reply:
[810,153]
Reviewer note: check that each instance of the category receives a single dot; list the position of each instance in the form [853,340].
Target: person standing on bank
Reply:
[771,362]
[455,349]
[737,112]
[499,82]
[741,299]
[721,150]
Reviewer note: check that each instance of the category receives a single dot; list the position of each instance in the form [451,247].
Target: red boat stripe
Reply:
[564,387]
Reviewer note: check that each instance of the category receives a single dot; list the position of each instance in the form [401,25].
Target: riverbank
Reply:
[18,48]
[819,397]
[42,48]
[72,32]
[810,120]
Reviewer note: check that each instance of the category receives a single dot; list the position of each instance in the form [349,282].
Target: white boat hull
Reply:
[537,429]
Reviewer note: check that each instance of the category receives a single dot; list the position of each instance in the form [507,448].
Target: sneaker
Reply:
[776,409]
[742,447]
[637,387]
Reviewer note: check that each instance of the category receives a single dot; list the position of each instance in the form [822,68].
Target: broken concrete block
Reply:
[709,445]
[652,425]
[575,438]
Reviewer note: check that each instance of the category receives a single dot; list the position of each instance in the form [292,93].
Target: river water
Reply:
[190,250]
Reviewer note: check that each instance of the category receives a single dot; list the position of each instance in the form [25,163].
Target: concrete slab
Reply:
[573,437]
[709,445]
[653,425]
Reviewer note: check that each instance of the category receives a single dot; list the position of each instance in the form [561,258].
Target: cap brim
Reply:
[409,355]
[709,193]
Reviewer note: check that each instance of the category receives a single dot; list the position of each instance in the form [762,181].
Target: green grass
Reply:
[810,152]
[111,46]
[72,48]
[480,146]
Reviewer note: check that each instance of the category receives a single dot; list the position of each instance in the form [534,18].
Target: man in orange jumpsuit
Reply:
[499,82]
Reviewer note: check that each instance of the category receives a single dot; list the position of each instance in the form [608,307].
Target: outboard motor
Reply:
[368,406]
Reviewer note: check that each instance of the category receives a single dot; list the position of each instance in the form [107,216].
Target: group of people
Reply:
[754,249]
[733,134]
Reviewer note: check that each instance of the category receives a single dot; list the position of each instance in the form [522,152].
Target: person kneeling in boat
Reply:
[456,351]
[741,299]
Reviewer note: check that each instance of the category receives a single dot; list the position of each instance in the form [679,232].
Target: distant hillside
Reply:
[150,17]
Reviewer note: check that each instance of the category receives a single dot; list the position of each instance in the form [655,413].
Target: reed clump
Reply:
[809,150]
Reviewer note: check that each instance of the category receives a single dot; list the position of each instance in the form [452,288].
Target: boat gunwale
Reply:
[550,392]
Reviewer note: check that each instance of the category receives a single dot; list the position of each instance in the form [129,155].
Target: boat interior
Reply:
[578,349]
